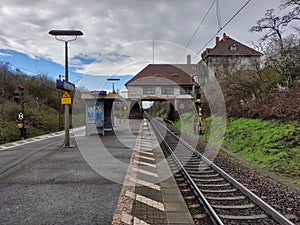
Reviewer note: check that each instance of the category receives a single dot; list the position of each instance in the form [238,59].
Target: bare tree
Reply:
[295,4]
[273,24]
[282,50]
[294,12]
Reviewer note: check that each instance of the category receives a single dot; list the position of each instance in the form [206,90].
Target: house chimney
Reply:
[217,40]
[188,59]
[224,36]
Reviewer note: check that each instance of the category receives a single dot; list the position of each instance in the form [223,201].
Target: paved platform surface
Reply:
[150,194]
[43,183]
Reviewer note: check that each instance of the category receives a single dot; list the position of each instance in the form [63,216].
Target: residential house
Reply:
[229,55]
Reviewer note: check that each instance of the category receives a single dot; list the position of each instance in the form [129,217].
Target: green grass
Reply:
[272,145]
[269,144]
[187,125]
[8,131]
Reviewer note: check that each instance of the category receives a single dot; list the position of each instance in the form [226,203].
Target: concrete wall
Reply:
[136,92]
[229,65]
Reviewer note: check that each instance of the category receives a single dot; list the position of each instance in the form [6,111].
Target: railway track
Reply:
[224,199]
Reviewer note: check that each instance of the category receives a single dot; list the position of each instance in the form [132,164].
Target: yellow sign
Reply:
[66,94]
[66,101]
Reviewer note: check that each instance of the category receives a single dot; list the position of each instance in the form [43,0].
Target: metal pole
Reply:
[67,121]
[73,33]
[23,111]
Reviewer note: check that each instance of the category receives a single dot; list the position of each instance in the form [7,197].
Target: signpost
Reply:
[59,84]
[65,85]
[66,98]
[20,116]
[68,86]
[73,34]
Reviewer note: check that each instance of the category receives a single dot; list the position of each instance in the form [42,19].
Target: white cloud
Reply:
[109,25]
[132,57]
[5,54]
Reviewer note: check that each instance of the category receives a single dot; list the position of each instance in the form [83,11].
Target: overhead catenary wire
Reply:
[200,24]
[221,28]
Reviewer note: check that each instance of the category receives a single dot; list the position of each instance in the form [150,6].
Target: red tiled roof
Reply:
[160,74]
[223,48]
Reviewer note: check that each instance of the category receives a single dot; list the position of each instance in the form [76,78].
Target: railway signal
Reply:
[197,101]
[19,95]
[197,89]
[19,99]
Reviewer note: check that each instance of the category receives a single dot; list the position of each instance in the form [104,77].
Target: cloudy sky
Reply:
[118,34]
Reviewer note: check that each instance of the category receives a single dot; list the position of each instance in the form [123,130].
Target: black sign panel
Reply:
[65,85]
[68,86]
[59,84]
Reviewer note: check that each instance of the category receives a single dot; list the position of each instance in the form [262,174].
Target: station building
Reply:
[162,82]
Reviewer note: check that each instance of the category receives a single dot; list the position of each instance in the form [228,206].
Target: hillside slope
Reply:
[277,105]
[41,103]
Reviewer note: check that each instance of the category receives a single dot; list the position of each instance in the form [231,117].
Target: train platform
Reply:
[119,178]
[150,194]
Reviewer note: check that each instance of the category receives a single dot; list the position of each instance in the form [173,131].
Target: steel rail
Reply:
[211,212]
[278,217]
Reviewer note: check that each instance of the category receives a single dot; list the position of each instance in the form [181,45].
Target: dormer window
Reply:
[233,48]
[175,75]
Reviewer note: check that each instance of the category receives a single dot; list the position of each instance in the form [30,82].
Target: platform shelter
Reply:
[99,111]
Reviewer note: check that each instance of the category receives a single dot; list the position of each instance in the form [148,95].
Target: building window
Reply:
[148,90]
[202,79]
[184,90]
[233,48]
[167,90]
[175,75]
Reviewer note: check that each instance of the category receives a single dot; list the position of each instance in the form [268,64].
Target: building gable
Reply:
[229,47]
[160,74]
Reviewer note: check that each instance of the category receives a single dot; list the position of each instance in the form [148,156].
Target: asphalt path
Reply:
[44,183]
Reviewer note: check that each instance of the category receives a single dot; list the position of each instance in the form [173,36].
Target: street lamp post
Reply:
[113,84]
[65,34]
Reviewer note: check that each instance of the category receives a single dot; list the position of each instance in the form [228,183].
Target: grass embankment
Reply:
[269,144]
[39,120]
